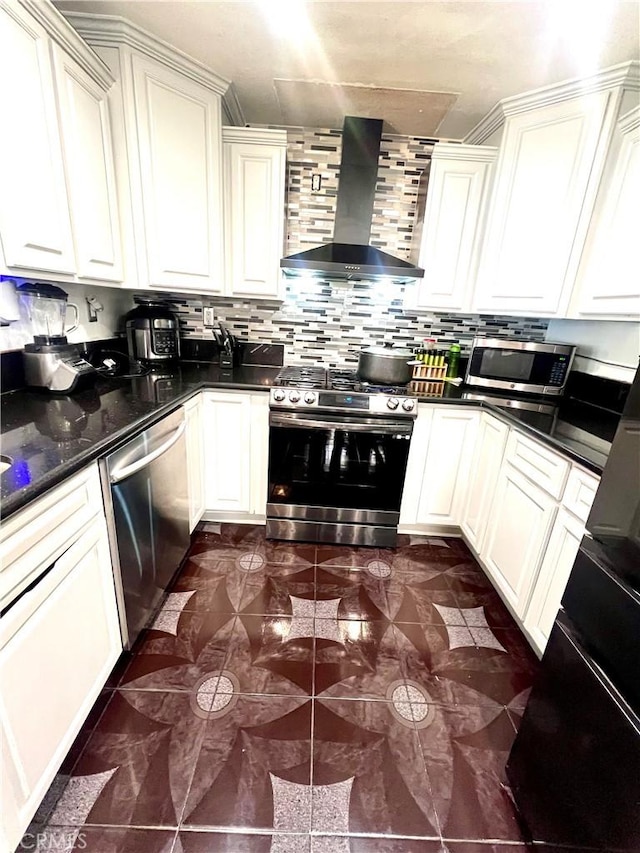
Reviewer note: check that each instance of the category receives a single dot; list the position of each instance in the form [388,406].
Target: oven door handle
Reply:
[381,427]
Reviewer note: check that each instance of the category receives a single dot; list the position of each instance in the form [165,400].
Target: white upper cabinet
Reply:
[459,180]
[543,171]
[34,208]
[254,180]
[167,131]
[179,127]
[608,282]
[58,206]
[86,136]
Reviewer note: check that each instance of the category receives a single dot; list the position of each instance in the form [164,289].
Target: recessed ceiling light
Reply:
[579,30]
[286,18]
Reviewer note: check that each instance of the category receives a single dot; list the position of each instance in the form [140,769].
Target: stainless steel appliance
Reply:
[351,256]
[338,450]
[574,765]
[152,332]
[145,490]
[50,362]
[528,367]
[386,364]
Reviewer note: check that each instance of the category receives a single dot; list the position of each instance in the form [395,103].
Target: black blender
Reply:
[50,362]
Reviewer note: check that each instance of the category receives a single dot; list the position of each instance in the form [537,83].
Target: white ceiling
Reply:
[451,60]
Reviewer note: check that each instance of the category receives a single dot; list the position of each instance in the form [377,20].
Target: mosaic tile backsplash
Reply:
[329,321]
[310,215]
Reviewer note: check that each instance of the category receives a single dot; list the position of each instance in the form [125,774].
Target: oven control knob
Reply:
[392,403]
[294,396]
[309,397]
[278,395]
[408,405]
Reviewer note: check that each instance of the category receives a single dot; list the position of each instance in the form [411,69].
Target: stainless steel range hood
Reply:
[351,256]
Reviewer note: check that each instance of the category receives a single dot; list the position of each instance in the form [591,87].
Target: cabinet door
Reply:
[254,217]
[259,453]
[415,466]
[521,518]
[86,133]
[34,210]
[492,437]
[608,282]
[458,180]
[195,459]
[542,176]
[227,456]
[446,466]
[61,638]
[552,578]
[179,137]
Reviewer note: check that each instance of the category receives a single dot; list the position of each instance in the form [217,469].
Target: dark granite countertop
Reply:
[578,430]
[51,437]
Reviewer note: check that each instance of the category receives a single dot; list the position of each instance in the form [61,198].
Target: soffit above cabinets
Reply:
[454,60]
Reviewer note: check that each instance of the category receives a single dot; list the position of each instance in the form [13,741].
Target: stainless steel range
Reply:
[338,450]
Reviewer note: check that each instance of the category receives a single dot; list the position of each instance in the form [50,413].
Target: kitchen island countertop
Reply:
[49,437]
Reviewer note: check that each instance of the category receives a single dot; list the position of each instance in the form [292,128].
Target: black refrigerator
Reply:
[575,764]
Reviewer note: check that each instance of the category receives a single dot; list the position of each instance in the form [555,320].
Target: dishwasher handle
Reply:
[119,474]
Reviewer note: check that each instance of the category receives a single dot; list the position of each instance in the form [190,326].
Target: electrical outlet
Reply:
[207,316]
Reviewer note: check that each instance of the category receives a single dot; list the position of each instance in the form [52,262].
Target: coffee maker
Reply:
[50,362]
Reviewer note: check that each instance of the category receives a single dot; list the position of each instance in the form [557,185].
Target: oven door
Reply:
[331,476]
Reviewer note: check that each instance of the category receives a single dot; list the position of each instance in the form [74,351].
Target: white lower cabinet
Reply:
[235,433]
[439,461]
[552,578]
[489,449]
[58,643]
[521,518]
[195,459]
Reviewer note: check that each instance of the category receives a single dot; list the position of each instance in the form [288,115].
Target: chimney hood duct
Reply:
[351,256]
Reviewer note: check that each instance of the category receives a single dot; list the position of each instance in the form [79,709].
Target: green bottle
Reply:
[454,361]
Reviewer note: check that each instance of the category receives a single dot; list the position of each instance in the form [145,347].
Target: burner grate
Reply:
[301,376]
[336,379]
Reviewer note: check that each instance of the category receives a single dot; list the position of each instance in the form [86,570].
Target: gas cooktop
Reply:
[338,390]
[333,379]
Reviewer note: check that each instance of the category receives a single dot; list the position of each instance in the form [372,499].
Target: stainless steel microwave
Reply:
[528,367]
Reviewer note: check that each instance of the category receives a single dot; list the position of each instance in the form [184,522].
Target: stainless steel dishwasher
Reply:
[145,490]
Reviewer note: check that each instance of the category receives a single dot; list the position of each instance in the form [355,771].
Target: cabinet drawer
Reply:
[580,492]
[35,537]
[543,467]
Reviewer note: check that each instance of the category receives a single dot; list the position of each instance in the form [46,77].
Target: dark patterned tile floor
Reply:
[300,699]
